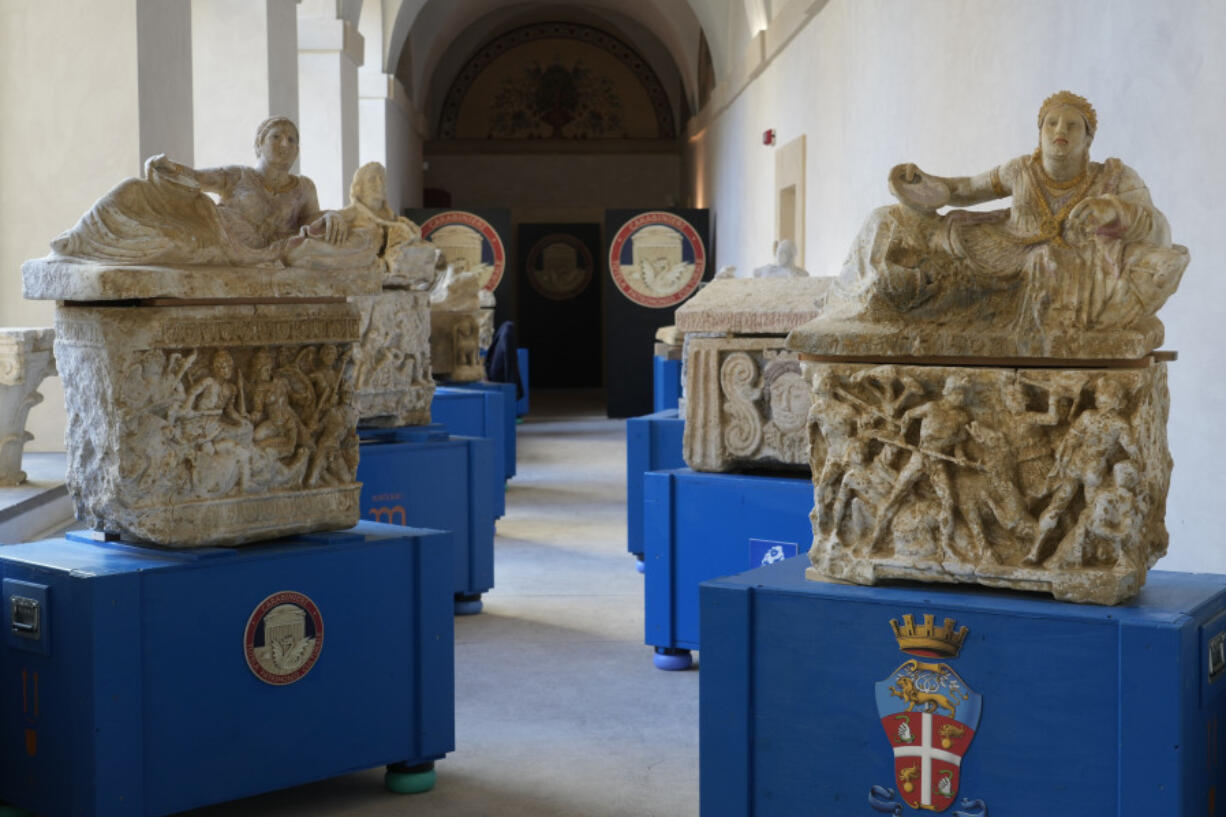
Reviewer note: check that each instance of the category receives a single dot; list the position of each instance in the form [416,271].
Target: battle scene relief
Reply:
[1042,479]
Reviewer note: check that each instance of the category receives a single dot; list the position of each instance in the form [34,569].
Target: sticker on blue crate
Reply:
[766,552]
[930,716]
[283,638]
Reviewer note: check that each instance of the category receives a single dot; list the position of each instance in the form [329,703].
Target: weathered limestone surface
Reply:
[25,359]
[210,425]
[749,306]
[744,399]
[746,405]
[1037,479]
[207,349]
[1040,462]
[56,278]
[392,361]
[455,345]
[455,327]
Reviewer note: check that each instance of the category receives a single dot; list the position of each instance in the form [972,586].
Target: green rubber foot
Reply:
[407,782]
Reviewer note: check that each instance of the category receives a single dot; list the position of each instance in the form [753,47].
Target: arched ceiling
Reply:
[427,41]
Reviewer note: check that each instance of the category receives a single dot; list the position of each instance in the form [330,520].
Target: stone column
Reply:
[391,133]
[95,89]
[25,359]
[245,69]
[329,53]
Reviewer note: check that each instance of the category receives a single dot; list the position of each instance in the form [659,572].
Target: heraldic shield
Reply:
[930,716]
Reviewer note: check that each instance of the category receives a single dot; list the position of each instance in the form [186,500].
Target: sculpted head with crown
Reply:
[1066,128]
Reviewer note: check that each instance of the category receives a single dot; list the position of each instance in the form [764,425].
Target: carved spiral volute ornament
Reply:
[743,434]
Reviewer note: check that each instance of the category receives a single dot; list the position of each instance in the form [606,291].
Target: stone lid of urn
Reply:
[67,279]
[752,306]
[831,335]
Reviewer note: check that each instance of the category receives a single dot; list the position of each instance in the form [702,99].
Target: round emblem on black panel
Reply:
[657,259]
[559,266]
[469,243]
[284,637]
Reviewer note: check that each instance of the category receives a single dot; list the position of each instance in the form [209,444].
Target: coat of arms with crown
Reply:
[929,714]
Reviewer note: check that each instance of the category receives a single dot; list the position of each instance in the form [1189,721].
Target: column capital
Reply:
[323,34]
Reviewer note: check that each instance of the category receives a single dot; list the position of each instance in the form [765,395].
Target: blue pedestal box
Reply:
[698,526]
[521,405]
[653,443]
[504,433]
[139,681]
[666,383]
[476,413]
[809,705]
[421,476]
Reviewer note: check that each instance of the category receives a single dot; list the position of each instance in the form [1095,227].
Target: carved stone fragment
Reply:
[746,406]
[210,425]
[392,361]
[744,399]
[1037,479]
[455,352]
[25,359]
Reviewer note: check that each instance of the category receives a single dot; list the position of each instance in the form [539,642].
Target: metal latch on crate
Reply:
[1217,656]
[26,617]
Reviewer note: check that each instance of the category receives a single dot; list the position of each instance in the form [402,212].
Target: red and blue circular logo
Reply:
[283,638]
[469,243]
[657,259]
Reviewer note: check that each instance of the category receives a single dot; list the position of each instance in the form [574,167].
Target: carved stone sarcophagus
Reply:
[988,404]
[210,425]
[392,361]
[208,351]
[746,400]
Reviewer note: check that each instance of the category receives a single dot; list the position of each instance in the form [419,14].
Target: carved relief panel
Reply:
[392,361]
[1036,479]
[211,425]
[746,405]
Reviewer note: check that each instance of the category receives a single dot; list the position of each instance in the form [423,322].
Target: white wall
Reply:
[955,86]
[87,92]
[245,69]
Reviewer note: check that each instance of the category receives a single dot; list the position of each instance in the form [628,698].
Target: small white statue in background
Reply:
[784,266]
[785,263]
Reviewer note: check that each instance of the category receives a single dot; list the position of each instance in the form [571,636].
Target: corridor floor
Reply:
[559,711]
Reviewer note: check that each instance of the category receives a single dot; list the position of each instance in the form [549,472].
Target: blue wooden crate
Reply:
[421,476]
[1078,709]
[137,696]
[666,383]
[476,413]
[653,443]
[521,405]
[698,526]
[506,410]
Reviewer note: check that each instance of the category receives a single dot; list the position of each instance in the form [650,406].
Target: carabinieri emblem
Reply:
[929,713]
